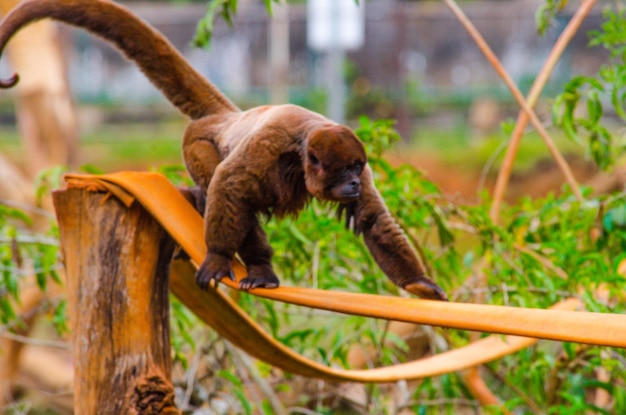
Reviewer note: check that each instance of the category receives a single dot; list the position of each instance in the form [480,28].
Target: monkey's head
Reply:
[334,161]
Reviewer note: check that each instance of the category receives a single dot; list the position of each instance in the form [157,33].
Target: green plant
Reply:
[226,9]
[24,253]
[608,85]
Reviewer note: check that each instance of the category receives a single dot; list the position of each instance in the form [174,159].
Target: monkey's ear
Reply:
[350,212]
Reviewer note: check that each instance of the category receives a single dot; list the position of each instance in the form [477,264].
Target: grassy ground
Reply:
[458,147]
[133,146]
[116,147]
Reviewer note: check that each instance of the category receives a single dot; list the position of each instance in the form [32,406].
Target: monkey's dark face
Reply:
[335,159]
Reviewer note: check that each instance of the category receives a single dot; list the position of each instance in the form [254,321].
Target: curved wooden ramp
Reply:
[522,327]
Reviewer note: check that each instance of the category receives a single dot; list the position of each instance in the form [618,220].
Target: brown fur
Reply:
[268,160]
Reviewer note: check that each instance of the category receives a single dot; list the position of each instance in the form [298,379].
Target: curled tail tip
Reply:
[426,289]
[9,83]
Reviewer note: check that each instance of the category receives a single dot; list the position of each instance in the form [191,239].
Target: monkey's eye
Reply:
[314,161]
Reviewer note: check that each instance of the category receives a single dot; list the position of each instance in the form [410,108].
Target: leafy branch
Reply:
[593,92]
[226,9]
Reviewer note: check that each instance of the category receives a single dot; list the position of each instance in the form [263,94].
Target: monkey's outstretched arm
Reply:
[388,244]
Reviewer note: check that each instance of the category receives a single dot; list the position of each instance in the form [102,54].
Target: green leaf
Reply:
[299,236]
[9,279]
[7,312]
[507,126]
[594,108]
[300,335]
[91,169]
[619,102]
[445,236]
[13,213]
[41,270]
[230,377]
[49,179]
[243,400]
[204,29]
[59,318]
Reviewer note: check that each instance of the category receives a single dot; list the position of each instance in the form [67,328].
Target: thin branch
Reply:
[22,273]
[518,390]
[418,247]
[27,207]
[34,239]
[33,342]
[535,91]
[245,366]
[543,260]
[191,377]
[491,57]
[441,402]
[490,162]
[302,410]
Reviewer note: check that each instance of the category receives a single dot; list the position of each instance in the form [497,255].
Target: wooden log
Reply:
[117,259]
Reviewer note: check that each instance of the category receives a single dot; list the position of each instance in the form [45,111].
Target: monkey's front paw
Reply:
[427,289]
[215,267]
[259,276]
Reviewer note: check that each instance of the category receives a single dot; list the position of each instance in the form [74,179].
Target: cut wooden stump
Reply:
[117,259]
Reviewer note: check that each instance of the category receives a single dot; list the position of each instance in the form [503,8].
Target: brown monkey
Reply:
[268,160]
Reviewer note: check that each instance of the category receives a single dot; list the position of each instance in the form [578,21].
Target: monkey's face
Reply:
[335,159]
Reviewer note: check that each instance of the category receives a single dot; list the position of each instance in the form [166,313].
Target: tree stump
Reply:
[117,260]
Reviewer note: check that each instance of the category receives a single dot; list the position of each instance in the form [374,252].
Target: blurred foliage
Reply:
[580,111]
[226,9]
[546,13]
[27,256]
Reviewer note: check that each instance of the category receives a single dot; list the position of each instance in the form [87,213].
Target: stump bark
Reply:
[117,260]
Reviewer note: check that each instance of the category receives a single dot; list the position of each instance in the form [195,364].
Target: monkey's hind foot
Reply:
[426,289]
[215,267]
[259,276]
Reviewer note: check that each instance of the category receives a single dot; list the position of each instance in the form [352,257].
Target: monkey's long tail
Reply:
[166,68]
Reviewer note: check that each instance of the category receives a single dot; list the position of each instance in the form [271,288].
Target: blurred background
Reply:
[411,62]
[81,105]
